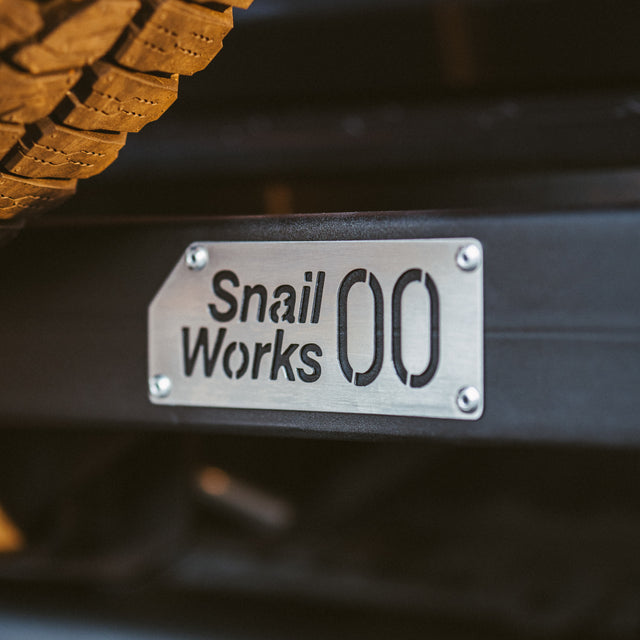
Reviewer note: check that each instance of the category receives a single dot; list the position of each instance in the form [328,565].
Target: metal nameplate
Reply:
[390,327]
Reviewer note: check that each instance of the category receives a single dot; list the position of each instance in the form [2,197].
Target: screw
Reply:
[468,399]
[197,258]
[159,386]
[469,257]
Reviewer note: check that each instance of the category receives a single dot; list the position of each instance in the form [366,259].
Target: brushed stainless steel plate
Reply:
[389,327]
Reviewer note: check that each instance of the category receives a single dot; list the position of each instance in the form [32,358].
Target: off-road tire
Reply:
[76,76]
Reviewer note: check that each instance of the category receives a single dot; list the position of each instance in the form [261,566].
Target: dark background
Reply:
[381,105]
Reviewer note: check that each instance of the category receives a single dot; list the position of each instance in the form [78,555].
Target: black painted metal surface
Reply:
[562,324]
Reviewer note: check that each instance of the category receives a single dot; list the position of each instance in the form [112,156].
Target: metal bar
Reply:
[562,324]
[515,133]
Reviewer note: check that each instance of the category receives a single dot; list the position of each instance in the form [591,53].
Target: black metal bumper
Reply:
[562,324]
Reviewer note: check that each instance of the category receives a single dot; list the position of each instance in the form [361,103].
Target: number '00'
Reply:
[364,378]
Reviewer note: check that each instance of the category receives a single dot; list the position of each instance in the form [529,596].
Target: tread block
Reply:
[26,98]
[22,195]
[115,99]
[238,4]
[52,150]
[19,19]
[175,37]
[9,135]
[78,38]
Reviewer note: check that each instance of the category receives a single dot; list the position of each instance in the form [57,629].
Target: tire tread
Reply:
[76,77]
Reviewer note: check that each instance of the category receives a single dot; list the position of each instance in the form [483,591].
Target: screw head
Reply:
[469,257]
[468,399]
[159,386]
[196,258]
